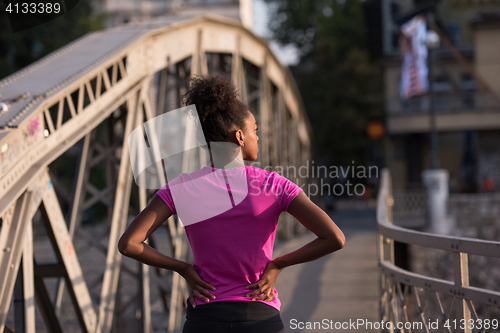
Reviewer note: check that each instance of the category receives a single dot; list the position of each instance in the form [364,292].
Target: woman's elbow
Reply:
[124,246]
[341,240]
[338,241]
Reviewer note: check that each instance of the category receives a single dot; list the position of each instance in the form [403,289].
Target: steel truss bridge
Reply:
[83,101]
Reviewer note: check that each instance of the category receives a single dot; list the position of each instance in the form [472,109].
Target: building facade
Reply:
[466,97]
[124,11]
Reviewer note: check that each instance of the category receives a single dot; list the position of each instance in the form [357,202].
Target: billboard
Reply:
[414,77]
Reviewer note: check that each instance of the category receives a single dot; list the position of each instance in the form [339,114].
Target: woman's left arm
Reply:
[132,245]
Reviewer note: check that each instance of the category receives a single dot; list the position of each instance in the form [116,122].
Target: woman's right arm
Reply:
[330,239]
[132,244]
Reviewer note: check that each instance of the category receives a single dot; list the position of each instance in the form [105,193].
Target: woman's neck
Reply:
[225,155]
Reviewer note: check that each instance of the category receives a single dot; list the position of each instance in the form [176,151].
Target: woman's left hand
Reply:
[264,288]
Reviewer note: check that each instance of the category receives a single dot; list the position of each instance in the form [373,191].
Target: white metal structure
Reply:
[88,97]
[420,300]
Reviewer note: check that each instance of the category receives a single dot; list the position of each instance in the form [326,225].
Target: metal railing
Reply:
[405,296]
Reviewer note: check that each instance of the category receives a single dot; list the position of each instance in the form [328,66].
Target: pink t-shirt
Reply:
[231,248]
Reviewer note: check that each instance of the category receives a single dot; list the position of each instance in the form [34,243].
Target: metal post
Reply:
[118,225]
[64,250]
[28,281]
[12,244]
[432,116]
[143,202]
[76,211]
[19,315]
[265,97]
[461,273]
[386,26]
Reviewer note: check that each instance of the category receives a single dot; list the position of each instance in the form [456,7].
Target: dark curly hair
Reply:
[216,101]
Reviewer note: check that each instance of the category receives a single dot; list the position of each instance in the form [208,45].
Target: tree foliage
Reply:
[17,50]
[340,83]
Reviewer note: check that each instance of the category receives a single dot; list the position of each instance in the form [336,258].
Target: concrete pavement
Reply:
[339,289]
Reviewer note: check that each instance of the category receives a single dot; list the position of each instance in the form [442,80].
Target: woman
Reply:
[233,276]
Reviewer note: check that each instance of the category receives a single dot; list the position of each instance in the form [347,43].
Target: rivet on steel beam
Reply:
[11,266]
[456,246]
[7,249]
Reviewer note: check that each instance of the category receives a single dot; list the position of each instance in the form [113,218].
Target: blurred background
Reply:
[347,60]
[349,85]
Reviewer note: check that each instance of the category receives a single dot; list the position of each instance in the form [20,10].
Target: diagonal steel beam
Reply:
[63,247]
[45,305]
[12,246]
[76,205]
[118,225]
[25,288]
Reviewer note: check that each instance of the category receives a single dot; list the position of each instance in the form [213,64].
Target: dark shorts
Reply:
[233,317]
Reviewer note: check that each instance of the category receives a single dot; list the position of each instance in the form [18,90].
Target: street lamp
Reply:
[435,179]
[4,107]
[432,42]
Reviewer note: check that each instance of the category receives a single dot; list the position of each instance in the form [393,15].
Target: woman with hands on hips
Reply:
[233,275]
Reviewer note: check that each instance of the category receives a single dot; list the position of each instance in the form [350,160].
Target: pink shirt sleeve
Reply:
[288,191]
[166,196]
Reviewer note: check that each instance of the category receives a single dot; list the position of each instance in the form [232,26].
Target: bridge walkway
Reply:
[340,288]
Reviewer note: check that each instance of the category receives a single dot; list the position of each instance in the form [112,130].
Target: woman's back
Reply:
[232,248]
[230,217]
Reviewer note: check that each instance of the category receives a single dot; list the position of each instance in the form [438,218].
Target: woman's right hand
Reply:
[197,285]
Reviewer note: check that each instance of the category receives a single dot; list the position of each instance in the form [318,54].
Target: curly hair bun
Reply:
[218,106]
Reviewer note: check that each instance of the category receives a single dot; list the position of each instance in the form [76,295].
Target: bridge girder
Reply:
[106,84]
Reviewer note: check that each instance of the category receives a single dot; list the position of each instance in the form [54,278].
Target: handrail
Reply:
[393,298]
[441,242]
